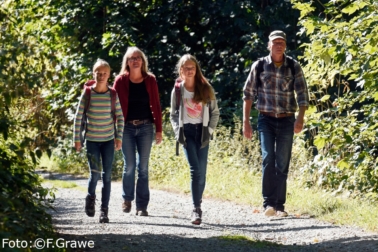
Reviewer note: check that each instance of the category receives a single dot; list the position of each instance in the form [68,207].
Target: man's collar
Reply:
[270,60]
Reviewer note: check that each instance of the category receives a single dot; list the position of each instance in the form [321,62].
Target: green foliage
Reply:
[226,36]
[341,65]
[23,201]
[27,59]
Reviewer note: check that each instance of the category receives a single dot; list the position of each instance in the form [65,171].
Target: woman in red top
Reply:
[139,97]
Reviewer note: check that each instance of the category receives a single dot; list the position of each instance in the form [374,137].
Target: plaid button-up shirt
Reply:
[280,91]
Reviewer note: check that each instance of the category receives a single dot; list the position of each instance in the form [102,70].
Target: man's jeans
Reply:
[197,159]
[97,153]
[276,138]
[136,138]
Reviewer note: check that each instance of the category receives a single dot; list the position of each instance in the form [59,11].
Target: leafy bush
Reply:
[341,67]
[23,200]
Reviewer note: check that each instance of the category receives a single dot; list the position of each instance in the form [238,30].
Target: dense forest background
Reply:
[48,47]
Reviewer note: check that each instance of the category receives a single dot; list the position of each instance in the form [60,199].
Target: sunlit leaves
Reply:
[353,7]
[341,69]
[305,8]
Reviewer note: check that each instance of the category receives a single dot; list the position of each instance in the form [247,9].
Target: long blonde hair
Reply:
[203,92]
[130,50]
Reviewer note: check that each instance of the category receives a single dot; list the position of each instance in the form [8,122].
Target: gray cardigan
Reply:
[209,121]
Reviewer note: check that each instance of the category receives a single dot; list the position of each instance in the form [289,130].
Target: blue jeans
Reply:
[97,153]
[197,159]
[136,139]
[276,138]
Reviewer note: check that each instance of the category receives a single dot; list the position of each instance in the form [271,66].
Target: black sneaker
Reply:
[90,205]
[141,212]
[196,216]
[104,215]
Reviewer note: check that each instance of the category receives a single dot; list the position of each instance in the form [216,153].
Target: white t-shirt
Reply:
[192,111]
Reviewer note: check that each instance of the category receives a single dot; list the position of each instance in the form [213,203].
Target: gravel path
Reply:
[167,228]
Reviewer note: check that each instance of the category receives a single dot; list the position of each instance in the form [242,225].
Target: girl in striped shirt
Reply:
[101,140]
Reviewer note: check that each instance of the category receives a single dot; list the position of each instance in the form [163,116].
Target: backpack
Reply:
[260,68]
[87,97]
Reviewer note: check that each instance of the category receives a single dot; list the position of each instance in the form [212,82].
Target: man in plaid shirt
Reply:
[278,83]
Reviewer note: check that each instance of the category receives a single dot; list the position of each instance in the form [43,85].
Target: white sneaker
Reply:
[269,211]
[281,213]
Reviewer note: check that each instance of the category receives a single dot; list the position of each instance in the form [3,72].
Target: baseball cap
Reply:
[277,34]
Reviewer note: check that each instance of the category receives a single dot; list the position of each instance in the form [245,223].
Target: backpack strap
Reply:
[178,96]
[290,63]
[178,100]
[259,70]
[87,96]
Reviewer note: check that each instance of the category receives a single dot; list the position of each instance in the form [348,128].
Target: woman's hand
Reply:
[158,137]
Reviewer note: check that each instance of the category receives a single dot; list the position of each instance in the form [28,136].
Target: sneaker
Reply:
[90,205]
[126,206]
[269,211]
[196,216]
[141,212]
[281,213]
[104,215]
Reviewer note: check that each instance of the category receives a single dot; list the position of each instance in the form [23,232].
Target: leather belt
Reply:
[280,115]
[138,122]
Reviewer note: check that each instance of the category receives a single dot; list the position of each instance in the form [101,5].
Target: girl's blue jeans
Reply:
[100,154]
[197,159]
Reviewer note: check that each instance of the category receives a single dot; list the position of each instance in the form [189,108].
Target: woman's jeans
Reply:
[276,138]
[197,159]
[136,139]
[97,153]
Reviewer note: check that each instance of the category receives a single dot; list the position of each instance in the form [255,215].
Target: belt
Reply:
[280,115]
[138,122]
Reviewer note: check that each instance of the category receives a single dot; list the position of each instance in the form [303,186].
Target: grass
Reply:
[55,183]
[234,174]
[243,240]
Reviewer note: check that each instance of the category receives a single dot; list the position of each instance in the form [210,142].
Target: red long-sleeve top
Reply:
[121,85]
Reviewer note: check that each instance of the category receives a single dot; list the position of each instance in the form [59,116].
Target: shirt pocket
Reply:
[287,84]
[267,81]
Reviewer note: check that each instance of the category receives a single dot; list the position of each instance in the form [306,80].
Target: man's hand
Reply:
[247,130]
[117,144]
[298,125]
[299,122]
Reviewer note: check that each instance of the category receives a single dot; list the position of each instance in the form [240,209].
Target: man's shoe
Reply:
[196,216]
[141,212]
[104,215]
[282,213]
[126,206]
[269,211]
[90,205]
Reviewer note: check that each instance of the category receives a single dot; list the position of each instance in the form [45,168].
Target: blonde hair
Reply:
[101,63]
[203,92]
[130,50]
